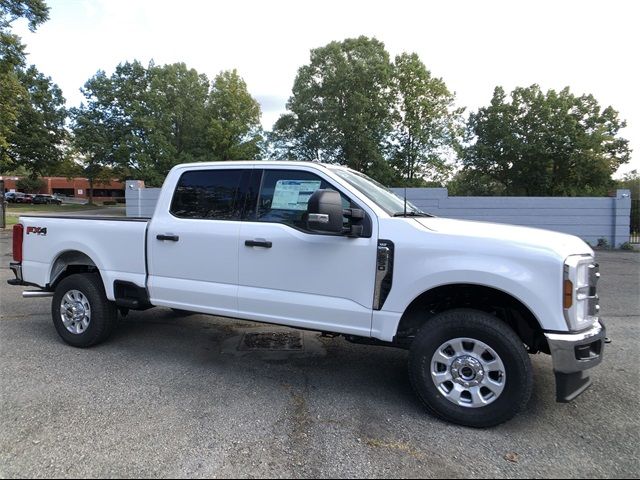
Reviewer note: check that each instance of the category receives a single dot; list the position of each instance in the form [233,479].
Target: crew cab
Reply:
[325,248]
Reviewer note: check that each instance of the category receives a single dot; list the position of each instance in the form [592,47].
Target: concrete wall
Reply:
[141,202]
[590,218]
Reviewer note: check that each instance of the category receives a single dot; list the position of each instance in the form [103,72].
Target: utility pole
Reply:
[3,206]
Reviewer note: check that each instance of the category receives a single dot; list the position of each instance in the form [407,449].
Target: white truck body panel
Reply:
[309,281]
[117,247]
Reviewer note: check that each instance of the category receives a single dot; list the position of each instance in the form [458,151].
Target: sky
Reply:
[590,46]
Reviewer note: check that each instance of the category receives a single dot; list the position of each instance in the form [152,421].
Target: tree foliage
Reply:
[631,181]
[543,144]
[143,121]
[234,129]
[340,107]
[32,112]
[36,140]
[426,123]
[351,105]
[35,12]
[30,184]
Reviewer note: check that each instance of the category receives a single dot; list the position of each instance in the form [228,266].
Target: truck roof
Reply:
[256,162]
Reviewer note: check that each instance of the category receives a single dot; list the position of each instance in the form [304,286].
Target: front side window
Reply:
[208,194]
[284,196]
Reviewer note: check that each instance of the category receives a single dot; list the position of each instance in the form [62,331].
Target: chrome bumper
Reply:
[573,354]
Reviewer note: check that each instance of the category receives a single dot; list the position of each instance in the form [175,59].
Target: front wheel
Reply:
[470,368]
[82,314]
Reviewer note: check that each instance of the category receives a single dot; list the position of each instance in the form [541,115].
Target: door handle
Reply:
[171,238]
[258,243]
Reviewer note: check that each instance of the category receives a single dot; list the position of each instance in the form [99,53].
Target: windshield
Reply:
[377,193]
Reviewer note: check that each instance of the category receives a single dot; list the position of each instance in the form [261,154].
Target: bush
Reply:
[603,243]
[30,184]
[627,246]
[109,203]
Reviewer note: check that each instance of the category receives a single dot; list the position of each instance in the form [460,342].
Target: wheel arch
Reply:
[69,262]
[503,305]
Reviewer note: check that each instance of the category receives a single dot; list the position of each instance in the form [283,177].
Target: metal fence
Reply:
[635,221]
[3,206]
[597,220]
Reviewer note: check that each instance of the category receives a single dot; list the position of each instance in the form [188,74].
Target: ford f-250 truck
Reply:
[324,248]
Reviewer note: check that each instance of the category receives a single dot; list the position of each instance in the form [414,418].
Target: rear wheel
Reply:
[82,314]
[470,368]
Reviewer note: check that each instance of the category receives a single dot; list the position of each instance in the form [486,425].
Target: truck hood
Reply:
[561,244]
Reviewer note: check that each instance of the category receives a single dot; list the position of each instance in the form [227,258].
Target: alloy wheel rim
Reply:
[75,312]
[468,372]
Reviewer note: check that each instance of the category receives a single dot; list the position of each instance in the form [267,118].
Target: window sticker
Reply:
[293,194]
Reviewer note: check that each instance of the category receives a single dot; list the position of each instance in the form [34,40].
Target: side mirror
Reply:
[324,211]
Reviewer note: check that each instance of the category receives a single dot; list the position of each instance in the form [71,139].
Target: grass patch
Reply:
[20,208]
[15,210]
[11,220]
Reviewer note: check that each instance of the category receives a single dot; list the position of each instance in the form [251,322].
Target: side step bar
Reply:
[36,294]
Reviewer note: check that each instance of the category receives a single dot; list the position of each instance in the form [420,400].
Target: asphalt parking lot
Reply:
[174,397]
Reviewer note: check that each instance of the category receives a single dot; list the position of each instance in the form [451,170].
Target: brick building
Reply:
[72,187]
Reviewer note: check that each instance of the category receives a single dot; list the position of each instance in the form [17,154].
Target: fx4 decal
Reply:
[37,230]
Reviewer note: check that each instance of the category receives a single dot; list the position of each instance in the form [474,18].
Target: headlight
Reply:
[580,300]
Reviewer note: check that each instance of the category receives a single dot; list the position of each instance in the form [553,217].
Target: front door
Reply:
[289,275]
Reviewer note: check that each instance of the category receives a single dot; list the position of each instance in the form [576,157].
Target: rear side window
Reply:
[208,194]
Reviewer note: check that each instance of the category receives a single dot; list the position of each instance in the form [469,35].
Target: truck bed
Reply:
[115,245]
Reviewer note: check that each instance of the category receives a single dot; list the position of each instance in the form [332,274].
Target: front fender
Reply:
[536,283]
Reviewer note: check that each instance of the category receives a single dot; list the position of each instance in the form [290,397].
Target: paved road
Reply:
[172,397]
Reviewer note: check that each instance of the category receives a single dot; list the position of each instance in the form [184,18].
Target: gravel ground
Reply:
[173,397]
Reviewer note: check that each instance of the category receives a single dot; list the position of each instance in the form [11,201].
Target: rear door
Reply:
[193,248]
[289,275]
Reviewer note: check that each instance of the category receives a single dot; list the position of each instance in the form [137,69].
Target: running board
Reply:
[36,294]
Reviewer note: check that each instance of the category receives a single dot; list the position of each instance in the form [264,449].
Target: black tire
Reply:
[182,313]
[104,314]
[480,326]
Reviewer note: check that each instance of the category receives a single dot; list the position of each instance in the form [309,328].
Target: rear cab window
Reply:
[209,194]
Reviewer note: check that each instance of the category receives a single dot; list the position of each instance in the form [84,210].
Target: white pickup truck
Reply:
[324,248]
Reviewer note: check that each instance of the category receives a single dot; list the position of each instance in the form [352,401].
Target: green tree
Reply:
[35,12]
[234,131]
[340,108]
[30,184]
[12,58]
[427,125]
[142,121]
[474,183]
[36,140]
[549,144]
[631,181]
[90,150]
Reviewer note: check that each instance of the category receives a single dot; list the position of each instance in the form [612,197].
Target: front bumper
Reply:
[573,354]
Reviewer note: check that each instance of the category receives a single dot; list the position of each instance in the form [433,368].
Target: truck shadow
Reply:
[374,377]
[204,342]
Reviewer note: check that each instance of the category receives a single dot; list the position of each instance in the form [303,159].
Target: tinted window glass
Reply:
[208,194]
[284,196]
